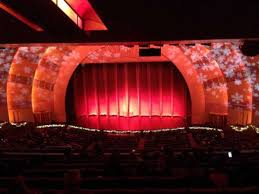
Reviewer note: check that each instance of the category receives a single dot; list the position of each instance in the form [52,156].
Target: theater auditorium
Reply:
[135,97]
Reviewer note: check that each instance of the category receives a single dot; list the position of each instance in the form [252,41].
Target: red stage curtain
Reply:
[130,96]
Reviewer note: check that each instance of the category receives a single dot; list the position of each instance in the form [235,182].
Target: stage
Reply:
[128,96]
[131,123]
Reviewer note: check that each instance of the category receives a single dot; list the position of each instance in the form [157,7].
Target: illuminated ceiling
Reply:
[131,21]
[81,13]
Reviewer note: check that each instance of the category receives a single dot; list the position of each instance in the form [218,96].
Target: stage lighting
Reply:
[250,48]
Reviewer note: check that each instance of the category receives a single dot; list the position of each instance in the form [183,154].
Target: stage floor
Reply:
[131,123]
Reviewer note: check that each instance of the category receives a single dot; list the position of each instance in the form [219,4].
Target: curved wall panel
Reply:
[6,58]
[190,75]
[252,64]
[238,82]
[210,75]
[45,79]
[19,83]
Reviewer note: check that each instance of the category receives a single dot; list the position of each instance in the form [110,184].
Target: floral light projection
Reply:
[45,78]
[20,80]
[225,80]
[210,75]
[6,57]
[252,77]
[55,62]
[190,75]
[252,74]
[238,82]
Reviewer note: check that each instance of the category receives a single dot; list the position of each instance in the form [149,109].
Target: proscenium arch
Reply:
[45,78]
[63,78]
[102,54]
[212,78]
[92,54]
[91,51]
[196,88]
[238,113]
[215,103]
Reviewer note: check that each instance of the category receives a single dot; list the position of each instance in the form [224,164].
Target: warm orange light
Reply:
[62,4]
[81,13]
[20,17]
[90,18]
